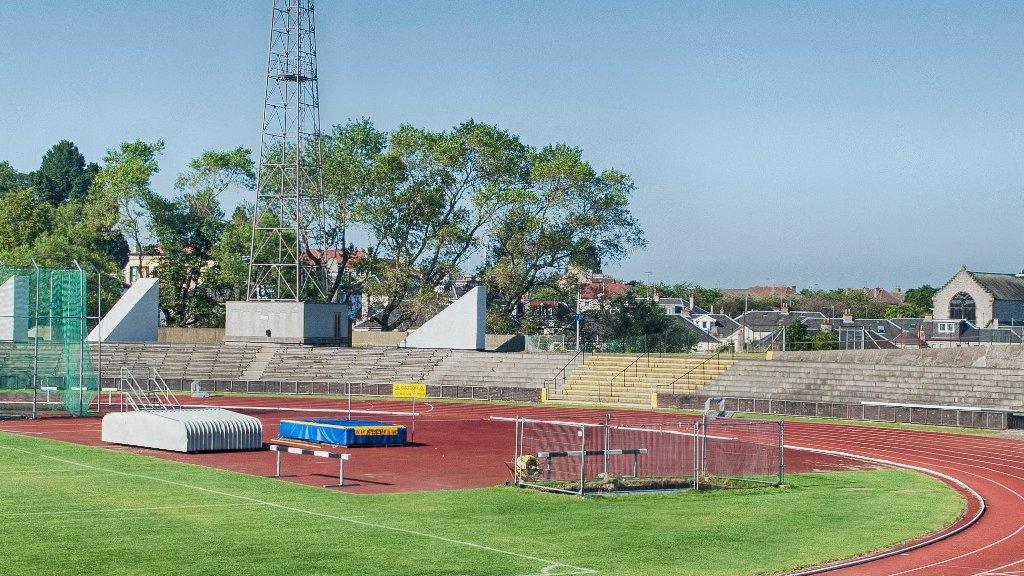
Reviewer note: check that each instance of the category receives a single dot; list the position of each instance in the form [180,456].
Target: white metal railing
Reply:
[156,395]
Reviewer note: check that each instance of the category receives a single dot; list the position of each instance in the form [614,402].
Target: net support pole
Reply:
[35,348]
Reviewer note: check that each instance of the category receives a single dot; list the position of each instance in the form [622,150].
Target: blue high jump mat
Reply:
[343,432]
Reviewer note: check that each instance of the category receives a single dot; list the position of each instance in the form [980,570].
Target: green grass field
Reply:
[69,509]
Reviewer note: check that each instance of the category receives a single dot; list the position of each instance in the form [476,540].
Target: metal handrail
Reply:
[636,371]
[581,354]
[717,357]
[164,395]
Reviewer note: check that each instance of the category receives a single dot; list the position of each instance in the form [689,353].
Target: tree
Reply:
[56,236]
[11,179]
[796,336]
[635,324]
[350,164]
[432,194]
[125,178]
[229,273]
[63,174]
[921,297]
[564,211]
[189,229]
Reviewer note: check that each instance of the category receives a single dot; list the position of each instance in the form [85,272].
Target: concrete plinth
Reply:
[317,323]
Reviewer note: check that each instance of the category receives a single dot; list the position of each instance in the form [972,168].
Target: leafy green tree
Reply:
[563,211]
[189,229]
[921,297]
[635,324]
[432,195]
[56,236]
[824,340]
[11,179]
[125,178]
[229,272]
[905,310]
[22,220]
[796,336]
[351,166]
[63,174]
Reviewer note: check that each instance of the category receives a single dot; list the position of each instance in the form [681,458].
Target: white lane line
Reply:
[139,509]
[548,564]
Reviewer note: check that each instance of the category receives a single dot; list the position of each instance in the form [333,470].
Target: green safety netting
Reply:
[45,363]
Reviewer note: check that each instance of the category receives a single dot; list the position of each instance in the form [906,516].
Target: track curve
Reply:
[992,467]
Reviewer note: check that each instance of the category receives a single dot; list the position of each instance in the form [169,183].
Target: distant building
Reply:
[599,295]
[761,292]
[143,266]
[984,299]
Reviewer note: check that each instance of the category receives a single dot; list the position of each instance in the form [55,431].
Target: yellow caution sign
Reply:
[408,390]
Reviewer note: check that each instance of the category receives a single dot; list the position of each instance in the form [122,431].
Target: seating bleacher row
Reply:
[288,363]
[859,382]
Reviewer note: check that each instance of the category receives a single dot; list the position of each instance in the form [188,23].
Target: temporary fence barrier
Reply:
[901,413]
[592,458]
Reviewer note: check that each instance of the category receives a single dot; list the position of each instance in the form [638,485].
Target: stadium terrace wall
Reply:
[993,420]
[309,388]
[360,338]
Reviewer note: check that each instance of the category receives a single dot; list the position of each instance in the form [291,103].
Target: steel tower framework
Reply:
[288,231]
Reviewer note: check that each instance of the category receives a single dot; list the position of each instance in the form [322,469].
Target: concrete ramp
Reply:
[14,301]
[186,430]
[459,326]
[134,318]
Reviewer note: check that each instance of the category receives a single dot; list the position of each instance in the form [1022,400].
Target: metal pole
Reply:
[412,433]
[81,336]
[278,473]
[341,472]
[35,349]
[99,339]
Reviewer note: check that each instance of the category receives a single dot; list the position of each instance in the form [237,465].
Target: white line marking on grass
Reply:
[39,470]
[549,565]
[140,509]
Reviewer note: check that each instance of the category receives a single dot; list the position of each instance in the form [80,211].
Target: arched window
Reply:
[961,307]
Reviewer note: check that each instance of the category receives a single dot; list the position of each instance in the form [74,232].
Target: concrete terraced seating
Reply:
[857,382]
[17,358]
[509,369]
[363,365]
[630,379]
[201,361]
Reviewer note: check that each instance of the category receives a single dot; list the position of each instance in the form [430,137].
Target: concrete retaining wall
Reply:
[1001,356]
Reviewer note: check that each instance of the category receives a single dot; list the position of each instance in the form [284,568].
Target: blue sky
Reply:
[817,144]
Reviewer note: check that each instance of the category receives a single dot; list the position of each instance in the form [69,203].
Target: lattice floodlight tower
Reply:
[287,286]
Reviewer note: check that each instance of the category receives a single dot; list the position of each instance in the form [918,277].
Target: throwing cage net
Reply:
[592,458]
[45,366]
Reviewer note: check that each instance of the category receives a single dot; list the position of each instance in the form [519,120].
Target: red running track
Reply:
[458,447]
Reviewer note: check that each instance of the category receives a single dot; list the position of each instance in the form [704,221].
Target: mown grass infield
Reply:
[70,509]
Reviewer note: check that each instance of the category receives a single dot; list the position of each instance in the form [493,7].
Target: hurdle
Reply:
[635,452]
[339,456]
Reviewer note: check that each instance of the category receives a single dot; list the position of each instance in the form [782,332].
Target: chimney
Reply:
[785,307]
[847,316]
[691,302]
[826,325]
